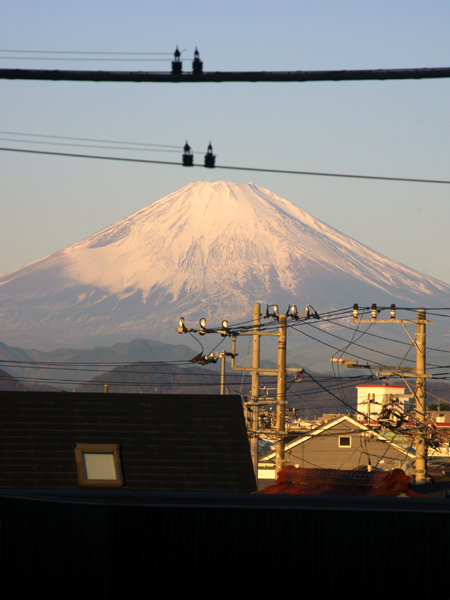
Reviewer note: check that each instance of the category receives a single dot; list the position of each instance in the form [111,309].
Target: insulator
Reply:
[392,311]
[188,157]
[177,65]
[202,323]
[210,158]
[197,64]
[197,358]
[374,311]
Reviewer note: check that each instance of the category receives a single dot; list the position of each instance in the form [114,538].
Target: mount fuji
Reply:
[208,250]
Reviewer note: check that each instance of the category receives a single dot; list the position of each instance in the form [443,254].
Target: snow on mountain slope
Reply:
[209,249]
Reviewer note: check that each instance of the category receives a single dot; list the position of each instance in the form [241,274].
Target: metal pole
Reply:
[255,387]
[281,396]
[222,373]
[421,451]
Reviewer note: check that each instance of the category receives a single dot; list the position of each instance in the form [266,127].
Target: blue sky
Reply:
[395,128]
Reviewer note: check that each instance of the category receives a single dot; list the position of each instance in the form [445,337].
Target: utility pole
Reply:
[421,450]
[255,387]
[419,373]
[281,397]
[223,357]
[280,371]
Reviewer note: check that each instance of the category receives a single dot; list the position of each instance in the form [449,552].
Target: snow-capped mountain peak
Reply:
[209,249]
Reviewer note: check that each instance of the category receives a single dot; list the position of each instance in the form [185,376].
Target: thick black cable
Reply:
[218,77]
[349,406]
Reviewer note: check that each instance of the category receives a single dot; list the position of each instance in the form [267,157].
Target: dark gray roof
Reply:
[167,442]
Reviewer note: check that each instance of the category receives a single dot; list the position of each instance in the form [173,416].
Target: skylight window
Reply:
[98,465]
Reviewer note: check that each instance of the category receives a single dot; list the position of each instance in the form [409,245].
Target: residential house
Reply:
[343,443]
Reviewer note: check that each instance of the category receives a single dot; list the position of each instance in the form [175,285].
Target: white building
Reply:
[372,398]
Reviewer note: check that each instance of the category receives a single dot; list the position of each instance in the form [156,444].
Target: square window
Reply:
[98,465]
[345,441]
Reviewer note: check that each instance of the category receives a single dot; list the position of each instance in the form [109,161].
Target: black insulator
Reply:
[210,158]
[177,65]
[197,64]
[188,157]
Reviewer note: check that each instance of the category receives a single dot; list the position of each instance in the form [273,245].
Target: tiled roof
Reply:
[170,442]
[379,385]
[335,482]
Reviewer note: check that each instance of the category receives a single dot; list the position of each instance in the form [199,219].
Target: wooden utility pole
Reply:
[281,396]
[255,387]
[419,373]
[223,358]
[252,405]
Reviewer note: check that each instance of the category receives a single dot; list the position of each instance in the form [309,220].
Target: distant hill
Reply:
[309,397]
[68,366]
[166,379]
[123,368]
[8,383]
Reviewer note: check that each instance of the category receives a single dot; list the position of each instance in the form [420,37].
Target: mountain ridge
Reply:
[208,250]
[71,365]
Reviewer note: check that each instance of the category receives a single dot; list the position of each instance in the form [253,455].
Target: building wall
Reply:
[380,393]
[323,451]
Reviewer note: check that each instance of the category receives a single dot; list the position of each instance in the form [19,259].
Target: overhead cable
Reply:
[261,170]
[219,77]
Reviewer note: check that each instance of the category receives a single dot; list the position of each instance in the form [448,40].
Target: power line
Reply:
[87,52]
[91,145]
[261,170]
[33,363]
[82,139]
[65,59]
[354,343]
[222,77]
